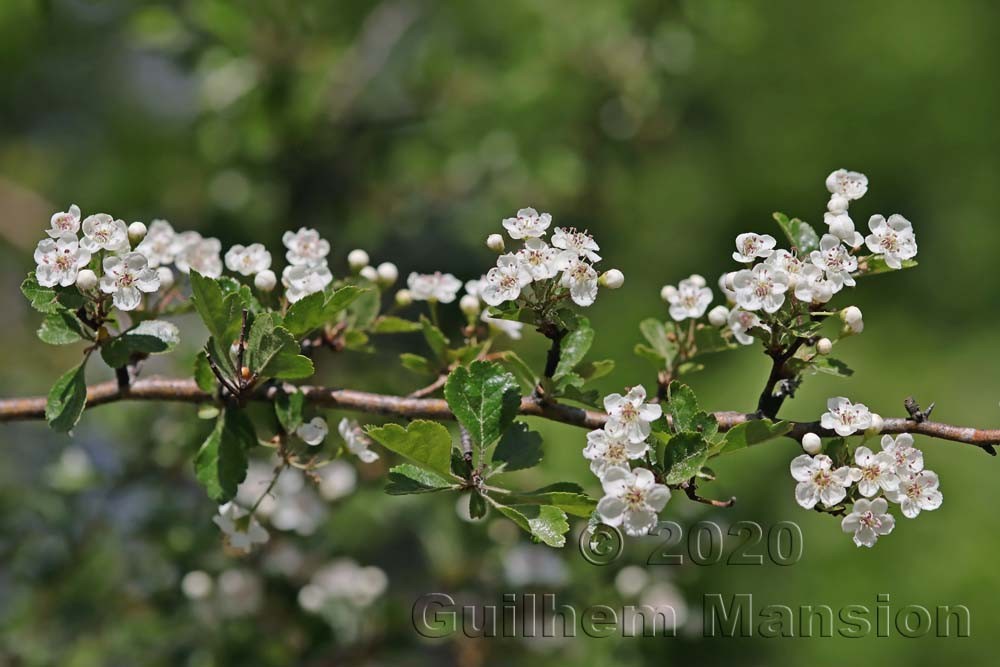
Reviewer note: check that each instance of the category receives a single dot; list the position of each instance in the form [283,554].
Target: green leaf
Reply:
[800,234]
[683,456]
[221,462]
[547,523]
[365,308]
[574,348]
[485,399]
[388,324]
[749,433]
[417,364]
[593,370]
[661,338]
[519,448]
[148,337]
[272,352]
[426,443]
[67,399]
[435,339]
[872,265]
[566,496]
[61,328]
[708,340]
[685,413]
[317,309]
[477,505]
[203,375]
[221,313]
[288,409]
[50,299]
[405,479]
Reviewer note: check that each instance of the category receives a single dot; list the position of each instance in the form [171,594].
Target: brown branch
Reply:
[186,391]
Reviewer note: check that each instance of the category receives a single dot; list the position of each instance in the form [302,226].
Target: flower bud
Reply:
[166,277]
[612,279]
[838,204]
[824,346]
[877,424]
[853,318]
[812,444]
[86,280]
[369,273]
[136,233]
[357,259]
[667,292]
[388,274]
[469,305]
[696,279]
[718,316]
[265,281]
[403,297]
[495,243]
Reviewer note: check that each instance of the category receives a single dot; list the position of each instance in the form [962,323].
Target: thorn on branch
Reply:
[691,489]
[916,414]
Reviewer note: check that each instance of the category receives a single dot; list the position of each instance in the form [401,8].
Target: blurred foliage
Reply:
[410,128]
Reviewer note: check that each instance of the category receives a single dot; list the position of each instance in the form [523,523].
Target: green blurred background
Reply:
[410,128]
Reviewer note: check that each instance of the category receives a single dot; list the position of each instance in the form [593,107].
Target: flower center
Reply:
[822,478]
[615,453]
[871,473]
[869,520]
[634,498]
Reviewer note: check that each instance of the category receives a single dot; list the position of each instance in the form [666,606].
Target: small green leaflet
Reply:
[683,455]
[407,478]
[67,399]
[519,448]
[485,398]
[221,462]
[547,523]
[148,337]
[221,313]
[426,443]
[573,348]
[317,309]
[61,328]
[272,352]
[800,234]
[288,409]
[749,433]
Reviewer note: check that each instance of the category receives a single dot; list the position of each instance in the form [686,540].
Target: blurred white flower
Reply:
[194,252]
[302,280]
[313,431]
[357,442]
[441,287]
[242,530]
[305,247]
[248,260]
[159,244]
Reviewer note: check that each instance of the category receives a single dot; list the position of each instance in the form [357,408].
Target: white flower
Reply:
[845,417]
[787,262]
[302,280]
[435,286]
[630,415]
[605,450]
[580,243]
[67,222]
[842,227]
[159,244]
[868,519]
[813,286]
[242,531]
[505,281]
[905,457]
[760,287]
[750,246]
[835,260]
[818,482]
[581,279]
[59,261]
[541,260]
[305,247]
[102,232]
[510,328]
[848,184]
[917,491]
[193,252]
[126,277]
[249,260]
[894,240]
[690,299]
[741,321]
[874,472]
[632,498]
[528,224]
[357,442]
[313,431]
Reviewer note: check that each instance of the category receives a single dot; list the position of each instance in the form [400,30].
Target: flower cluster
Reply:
[632,497]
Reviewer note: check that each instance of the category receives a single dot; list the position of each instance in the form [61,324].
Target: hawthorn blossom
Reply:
[437,286]
[874,472]
[690,299]
[242,530]
[725,286]
[789,263]
[126,277]
[868,519]
[605,451]
[835,260]
[581,279]
[305,247]
[302,280]
[67,222]
[631,498]
[313,431]
[813,286]
[750,246]
[59,261]
[248,260]
[542,260]
[630,415]
[894,240]
[845,417]
[357,442]
[580,243]
[905,457]
[510,328]
[917,491]
[194,252]
[159,243]
[818,482]
[102,232]
[741,321]
[762,287]
[505,281]
[527,224]
[842,227]
[848,184]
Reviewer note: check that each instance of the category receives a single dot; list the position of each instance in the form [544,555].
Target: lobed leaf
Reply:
[426,443]
[485,399]
[221,462]
[67,399]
